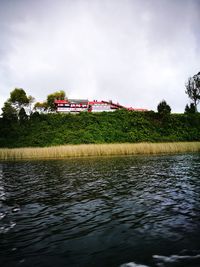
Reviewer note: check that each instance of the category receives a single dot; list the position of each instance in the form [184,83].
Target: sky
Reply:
[135,52]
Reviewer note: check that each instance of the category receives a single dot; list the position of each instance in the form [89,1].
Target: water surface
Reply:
[101,212]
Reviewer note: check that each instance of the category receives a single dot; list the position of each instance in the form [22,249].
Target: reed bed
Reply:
[67,151]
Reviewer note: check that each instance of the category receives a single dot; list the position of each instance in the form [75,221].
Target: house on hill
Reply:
[79,105]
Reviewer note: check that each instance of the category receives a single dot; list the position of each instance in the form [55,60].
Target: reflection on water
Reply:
[101,212]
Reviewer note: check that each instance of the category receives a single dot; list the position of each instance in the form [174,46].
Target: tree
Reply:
[190,109]
[163,108]
[9,112]
[59,95]
[193,89]
[40,106]
[18,98]
[31,100]
[22,115]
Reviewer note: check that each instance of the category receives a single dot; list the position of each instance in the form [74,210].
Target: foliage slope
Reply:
[41,130]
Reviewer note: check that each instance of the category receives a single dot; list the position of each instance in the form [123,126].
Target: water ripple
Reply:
[100,212]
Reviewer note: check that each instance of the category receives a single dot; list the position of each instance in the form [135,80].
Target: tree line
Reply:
[192,89]
[121,126]
[19,103]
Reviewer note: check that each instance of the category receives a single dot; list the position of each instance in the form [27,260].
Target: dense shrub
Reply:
[106,127]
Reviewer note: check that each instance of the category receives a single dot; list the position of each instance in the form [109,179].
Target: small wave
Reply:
[176,260]
[190,259]
[2,215]
[5,229]
[2,194]
[16,209]
[133,264]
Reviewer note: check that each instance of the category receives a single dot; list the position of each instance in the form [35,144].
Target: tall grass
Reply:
[97,150]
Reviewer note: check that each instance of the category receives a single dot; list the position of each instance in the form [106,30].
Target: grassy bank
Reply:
[66,151]
[47,130]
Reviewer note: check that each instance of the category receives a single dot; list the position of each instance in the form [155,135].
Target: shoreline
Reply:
[97,150]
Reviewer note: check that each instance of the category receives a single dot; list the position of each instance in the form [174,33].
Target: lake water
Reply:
[101,212]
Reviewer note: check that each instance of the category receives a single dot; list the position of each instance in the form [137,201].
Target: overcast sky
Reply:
[135,52]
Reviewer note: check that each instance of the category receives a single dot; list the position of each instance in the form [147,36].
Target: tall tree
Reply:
[31,100]
[190,109]
[22,115]
[193,89]
[18,98]
[59,95]
[9,112]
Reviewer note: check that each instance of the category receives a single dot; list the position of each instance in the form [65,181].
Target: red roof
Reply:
[61,101]
[95,102]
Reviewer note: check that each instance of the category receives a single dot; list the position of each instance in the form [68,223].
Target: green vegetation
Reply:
[190,109]
[40,130]
[49,105]
[19,98]
[43,129]
[163,109]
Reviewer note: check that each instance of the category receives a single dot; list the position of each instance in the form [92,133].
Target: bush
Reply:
[106,127]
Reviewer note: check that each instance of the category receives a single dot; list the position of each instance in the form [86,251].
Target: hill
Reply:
[92,128]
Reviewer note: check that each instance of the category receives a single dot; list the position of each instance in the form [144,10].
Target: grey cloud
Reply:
[134,52]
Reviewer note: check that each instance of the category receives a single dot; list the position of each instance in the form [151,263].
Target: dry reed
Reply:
[97,150]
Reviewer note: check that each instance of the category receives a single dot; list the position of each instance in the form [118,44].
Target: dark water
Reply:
[101,212]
